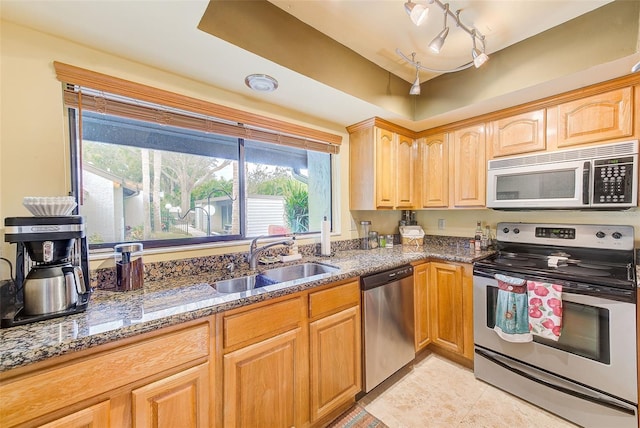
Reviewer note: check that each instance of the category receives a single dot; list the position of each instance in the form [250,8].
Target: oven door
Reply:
[597,346]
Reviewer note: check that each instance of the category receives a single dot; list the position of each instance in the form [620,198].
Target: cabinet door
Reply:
[596,118]
[518,134]
[469,167]
[385,168]
[445,286]
[96,416]
[335,361]
[421,305]
[406,153]
[180,400]
[434,160]
[263,384]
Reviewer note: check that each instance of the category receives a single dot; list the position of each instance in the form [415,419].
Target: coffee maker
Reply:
[52,268]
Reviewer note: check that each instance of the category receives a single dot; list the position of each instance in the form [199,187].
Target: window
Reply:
[165,176]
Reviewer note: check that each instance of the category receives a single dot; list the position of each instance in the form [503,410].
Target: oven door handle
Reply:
[536,376]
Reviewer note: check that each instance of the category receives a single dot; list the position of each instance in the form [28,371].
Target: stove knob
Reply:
[600,234]
[616,235]
[505,230]
[516,230]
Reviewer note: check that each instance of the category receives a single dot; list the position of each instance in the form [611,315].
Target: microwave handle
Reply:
[586,179]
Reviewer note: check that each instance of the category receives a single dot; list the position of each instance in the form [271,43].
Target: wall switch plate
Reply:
[441,224]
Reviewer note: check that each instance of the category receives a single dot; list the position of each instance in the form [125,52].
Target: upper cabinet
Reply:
[434,171]
[522,133]
[382,166]
[596,118]
[469,167]
[453,169]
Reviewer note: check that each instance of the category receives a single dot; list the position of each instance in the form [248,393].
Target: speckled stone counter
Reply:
[112,315]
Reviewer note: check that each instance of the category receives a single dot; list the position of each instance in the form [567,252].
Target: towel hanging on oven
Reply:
[512,321]
[545,309]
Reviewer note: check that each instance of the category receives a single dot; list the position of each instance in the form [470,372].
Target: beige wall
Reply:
[34,138]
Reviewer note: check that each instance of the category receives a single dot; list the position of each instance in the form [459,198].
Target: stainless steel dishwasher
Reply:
[387,327]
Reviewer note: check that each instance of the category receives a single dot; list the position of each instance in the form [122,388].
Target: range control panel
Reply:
[614,237]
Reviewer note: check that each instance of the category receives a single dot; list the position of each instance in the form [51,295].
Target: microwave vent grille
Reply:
[620,149]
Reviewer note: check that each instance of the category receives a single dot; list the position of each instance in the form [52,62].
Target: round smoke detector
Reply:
[261,82]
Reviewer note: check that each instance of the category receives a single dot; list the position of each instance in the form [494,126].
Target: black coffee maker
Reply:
[52,268]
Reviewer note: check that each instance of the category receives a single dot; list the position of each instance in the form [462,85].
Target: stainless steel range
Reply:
[581,364]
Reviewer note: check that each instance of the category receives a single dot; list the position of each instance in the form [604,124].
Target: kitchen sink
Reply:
[243,283]
[304,270]
[273,276]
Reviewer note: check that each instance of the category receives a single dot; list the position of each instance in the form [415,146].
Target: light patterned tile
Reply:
[439,393]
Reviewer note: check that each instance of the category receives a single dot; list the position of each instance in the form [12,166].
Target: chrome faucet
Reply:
[254,251]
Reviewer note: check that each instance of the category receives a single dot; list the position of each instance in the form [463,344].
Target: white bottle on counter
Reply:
[325,240]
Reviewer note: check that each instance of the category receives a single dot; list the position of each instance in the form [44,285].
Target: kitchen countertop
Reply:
[112,315]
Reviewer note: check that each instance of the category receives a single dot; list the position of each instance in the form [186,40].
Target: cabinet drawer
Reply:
[261,322]
[325,302]
[33,395]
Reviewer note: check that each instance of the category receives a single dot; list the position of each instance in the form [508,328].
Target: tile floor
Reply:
[439,393]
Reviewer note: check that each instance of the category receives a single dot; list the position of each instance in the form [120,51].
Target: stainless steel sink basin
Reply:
[273,276]
[243,283]
[304,270]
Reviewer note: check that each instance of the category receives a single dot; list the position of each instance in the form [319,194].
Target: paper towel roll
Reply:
[325,241]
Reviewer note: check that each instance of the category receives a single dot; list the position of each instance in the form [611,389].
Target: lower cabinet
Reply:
[335,349]
[180,400]
[294,361]
[444,308]
[262,385]
[96,416]
[421,306]
[159,379]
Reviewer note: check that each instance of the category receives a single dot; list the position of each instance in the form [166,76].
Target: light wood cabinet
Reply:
[335,348]
[265,364]
[107,385]
[382,172]
[468,167]
[96,416]
[596,118]
[262,385]
[451,307]
[421,306]
[521,133]
[434,171]
[179,400]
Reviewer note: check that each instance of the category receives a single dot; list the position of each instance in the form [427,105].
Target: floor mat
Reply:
[357,417]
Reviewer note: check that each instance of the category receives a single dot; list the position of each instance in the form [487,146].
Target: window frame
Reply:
[254,126]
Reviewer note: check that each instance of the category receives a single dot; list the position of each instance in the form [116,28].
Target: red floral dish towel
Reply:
[545,309]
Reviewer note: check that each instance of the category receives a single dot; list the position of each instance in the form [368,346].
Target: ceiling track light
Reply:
[417,12]
[478,51]
[415,88]
[436,44]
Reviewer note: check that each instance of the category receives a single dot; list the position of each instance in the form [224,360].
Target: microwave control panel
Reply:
[613,180]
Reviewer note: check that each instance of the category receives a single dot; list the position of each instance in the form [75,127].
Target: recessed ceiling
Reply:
[164,35]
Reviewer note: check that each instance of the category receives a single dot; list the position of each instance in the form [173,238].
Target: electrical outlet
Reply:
[441,224]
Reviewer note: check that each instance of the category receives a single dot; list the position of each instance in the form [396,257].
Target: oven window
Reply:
[536,185]
[585,329]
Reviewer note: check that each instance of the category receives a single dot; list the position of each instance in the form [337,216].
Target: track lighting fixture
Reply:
[415,88]
[636,67]
[479,58]
[436,44]
[418,12]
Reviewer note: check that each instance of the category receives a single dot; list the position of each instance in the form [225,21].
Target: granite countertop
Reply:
[111,315]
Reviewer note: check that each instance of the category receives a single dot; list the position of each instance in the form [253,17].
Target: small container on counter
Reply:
[129,266]
[389,243]
[373,240]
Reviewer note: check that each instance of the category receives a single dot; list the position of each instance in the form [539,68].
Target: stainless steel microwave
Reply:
[595,177]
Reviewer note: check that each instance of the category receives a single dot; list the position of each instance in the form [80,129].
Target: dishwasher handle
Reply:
[382,278]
